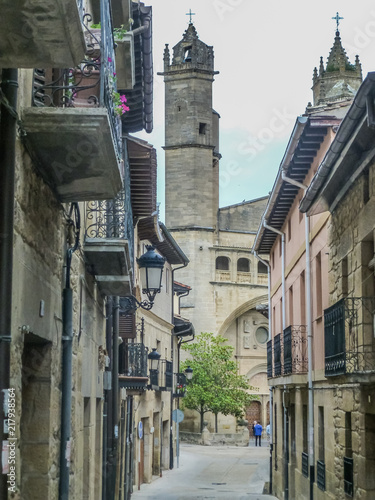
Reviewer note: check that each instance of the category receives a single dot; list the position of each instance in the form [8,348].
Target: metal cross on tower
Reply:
[337,18]
[190,14]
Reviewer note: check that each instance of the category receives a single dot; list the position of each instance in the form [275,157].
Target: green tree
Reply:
[216,385]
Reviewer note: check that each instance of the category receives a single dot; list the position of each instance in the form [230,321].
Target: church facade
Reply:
[228,285]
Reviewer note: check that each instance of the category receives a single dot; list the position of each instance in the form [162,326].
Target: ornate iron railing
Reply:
[91,84]
[305,464]
[348,476]
[295,349]
[277,355]
[321,474]
[112,218]
[269,359]
[135,360]
[179,385]
[349,336]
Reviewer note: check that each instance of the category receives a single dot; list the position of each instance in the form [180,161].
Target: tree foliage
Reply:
[216,385]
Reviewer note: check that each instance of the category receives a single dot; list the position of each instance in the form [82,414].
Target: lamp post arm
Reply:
[130,304]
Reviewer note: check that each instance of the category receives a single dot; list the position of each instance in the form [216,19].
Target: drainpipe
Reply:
[171,461]
[267,264]
[67,358]
[286,464]
[115,416]
[9,86]
[107,412]
[309,340]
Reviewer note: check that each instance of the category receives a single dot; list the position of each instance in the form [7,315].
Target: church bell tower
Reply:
[191,135]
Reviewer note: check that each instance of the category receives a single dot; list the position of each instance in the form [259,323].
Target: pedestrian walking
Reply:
[258,429]
[268,432]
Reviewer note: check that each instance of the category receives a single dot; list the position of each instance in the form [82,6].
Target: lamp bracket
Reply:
[129,304]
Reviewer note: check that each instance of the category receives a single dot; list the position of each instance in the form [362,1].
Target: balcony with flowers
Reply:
[73,127]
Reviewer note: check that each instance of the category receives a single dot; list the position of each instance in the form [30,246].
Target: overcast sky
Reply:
[265,53]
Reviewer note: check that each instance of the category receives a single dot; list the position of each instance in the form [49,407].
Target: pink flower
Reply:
[109,59]
[125,108]
[123,99]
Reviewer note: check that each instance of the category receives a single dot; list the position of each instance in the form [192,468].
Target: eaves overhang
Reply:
[304,143]
[351,150]
[143,172]
[151,229]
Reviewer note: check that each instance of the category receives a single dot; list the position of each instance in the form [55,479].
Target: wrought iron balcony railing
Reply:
[92,84]
[321,474]
[179,385]
[295,349]
[112,219]
[133,367]
[162,379]
[287,353]
[134,360]
[348,476]
[349,336]
[277,355]
[269,359]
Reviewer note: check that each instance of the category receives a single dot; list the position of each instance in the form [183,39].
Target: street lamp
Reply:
[189,373]
[151,266]
[154,358]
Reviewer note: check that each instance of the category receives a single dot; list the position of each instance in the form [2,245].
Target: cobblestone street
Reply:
[211,472]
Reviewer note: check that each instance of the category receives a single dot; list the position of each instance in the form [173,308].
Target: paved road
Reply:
[212,472]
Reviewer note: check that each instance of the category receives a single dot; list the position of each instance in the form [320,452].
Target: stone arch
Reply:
[243,308]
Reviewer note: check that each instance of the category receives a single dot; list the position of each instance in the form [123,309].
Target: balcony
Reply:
[45,34]
[179,385]
[349,337]
[162,379]
[109,243]
[287,353]
[73,129]
[133,367]
[295,349]
[269,359]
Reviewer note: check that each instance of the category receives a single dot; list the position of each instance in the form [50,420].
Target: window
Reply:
[304,429]
[318,290]
[202,128]
[344,274]
[289,229]
[222,263]
[366,187]
[302,298]
[262,268]
[291,305]
[348,435]
[187,54]
[321,433]
[243,265]
[261,335]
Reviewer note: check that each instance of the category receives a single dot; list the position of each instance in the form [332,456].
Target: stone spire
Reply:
[338,81]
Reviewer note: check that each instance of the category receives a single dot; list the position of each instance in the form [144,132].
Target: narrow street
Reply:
[210,472]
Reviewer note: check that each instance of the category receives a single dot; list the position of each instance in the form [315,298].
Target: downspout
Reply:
[9,86]
[267,264]
[115,388]
[67,360]
[171,461]
[107,411]
[286,459]
[309,340]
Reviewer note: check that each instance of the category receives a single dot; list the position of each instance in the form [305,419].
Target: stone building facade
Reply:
[228,285]
[309,423]
[348,321]
[71,229]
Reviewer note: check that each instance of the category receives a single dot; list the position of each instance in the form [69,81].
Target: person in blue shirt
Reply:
[258,434]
